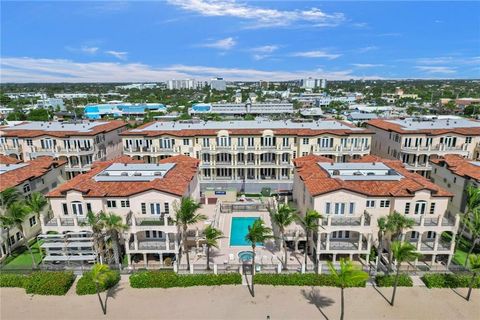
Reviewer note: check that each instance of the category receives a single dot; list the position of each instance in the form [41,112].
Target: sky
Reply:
[146,41]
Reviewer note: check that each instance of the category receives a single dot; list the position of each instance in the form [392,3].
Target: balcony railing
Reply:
[151,221]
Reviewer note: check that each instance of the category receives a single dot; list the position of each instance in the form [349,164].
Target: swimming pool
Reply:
[239,230]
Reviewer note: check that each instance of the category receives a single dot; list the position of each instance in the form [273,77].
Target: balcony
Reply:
[344,245]
[341,150]
[435,149]
[429,245]
[437,221]
[75,151]
[152,150]
[334,221]
[7,149]
[160,220]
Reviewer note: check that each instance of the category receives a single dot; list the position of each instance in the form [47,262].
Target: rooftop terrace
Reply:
[134,172]
[430,123]
[57,126]
[10,167]
[360,171]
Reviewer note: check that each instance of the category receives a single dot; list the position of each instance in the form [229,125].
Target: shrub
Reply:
[404,280]
[11,280]
[50,282]
[168,279]
[297,279]
[449,280]
[86,285]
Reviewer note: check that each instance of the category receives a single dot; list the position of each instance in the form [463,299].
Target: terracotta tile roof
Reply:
[318,181]
[24,133]
[32,170]
[395,127]
[175,181]
[459,166]
[8,160]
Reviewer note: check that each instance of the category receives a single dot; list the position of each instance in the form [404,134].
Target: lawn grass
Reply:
[21,259]
[461,251]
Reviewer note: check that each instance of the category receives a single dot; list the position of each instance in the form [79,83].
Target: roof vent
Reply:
[137,174]
[124,174]
[157,173]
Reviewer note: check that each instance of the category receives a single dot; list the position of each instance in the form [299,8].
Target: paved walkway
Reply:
[235,302]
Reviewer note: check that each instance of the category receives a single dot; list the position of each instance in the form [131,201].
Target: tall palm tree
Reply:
[283,217]
[310,224]
[347,275]
[7,223]
[18,212]
[97,223]
[100,274]
[402,252]
[472,202]
[473,227]
[114,227]
[37,202]
[257,233]
[185,215]
[8,197]
[396,224]
[382,229]
[475,268]
[212,235]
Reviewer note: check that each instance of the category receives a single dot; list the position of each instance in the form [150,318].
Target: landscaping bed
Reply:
[404,280]
[85,284]
[449,280]
[297,279]
[40,282]
[169,279]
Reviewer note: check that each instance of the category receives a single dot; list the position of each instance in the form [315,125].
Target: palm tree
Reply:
[473,227]
[8,197]
[36,202]
[402,252]
[344,277]
[100,276]
[283,217]
[212,235]
[18,213]
[396,224]
[382,229]
[257,233]
[475,268]
[185,215]
[7,223]
[114,227]
[310,224]
[473,201]
[97,223]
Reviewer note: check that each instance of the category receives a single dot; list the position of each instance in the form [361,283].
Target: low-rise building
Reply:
[352,196]
[241,109]
[144,195]
[78,143]
[55,103]
[40,175]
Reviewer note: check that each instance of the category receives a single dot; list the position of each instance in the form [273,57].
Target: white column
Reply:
[135,241]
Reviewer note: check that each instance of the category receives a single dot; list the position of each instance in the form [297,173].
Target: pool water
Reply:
[239,230]
[245,256]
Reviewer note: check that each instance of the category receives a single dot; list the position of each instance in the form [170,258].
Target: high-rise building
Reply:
[181,84]
[218,84]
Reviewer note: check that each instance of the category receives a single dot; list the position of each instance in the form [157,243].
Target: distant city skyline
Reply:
[107,41]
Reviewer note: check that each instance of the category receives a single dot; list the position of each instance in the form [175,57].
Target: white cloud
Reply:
[121,55]
[367,65]
[14,69]
[223,44]
[263,52]
[257,16]
[89,50]
[316,54]
[366,49]
[437,69]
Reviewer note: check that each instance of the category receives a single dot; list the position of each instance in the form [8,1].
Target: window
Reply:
[407,208]
[240,142]
[206,142]
[144,208]
[65,208]
[250,141]
[111,203]
[26,188]
[153,234]
[420,207]
[432,208]
[384,203]
[285,142]
[186,142]
[155,208]
[340,235]
[327,208]
[352,207]
[370,203]
[125,203]
[305,141]
[337,208]
[12,240]
[19,236]
[167,208]
[29,142]
[77,208]
[32,221]
[414,235]
[431,235]
[89,207]
[468,139]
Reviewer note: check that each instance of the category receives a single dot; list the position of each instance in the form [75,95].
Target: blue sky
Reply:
[110,41]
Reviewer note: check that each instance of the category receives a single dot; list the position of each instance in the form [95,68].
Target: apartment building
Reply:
[352,196]
[241,109]
[247,155]
[455,174]
[78,143]
[416,141]
[144,195]
[39,175]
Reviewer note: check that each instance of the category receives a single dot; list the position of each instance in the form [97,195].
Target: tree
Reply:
[212,235]
[396,224]
[382,229]
[472,202]
[283,217]
[100,274]
[402,252]
[38,115]
[475,268]
[97,223]
[345,277]
[257,233]
[114,226]
[18,213]
[185,215]
[310,224]
[6,223]
[36,202]
[7,197]
[473,227]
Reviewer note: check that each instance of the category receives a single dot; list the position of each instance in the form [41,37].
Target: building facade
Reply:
[415,141]
[39,175]
[241,109]
[352,196]
[80,143]
[247,155]
[218,84]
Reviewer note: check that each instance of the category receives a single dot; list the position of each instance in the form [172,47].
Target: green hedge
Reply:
[49,282]
[168,279]
[12,280]
[86,285]
[297,279]
[449,280]
[404,280]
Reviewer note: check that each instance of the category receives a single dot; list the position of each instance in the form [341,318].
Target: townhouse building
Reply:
[455,174]
[39,175]
[415,141]
[352,196]
[143,194]
[247,155]
[78,143]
